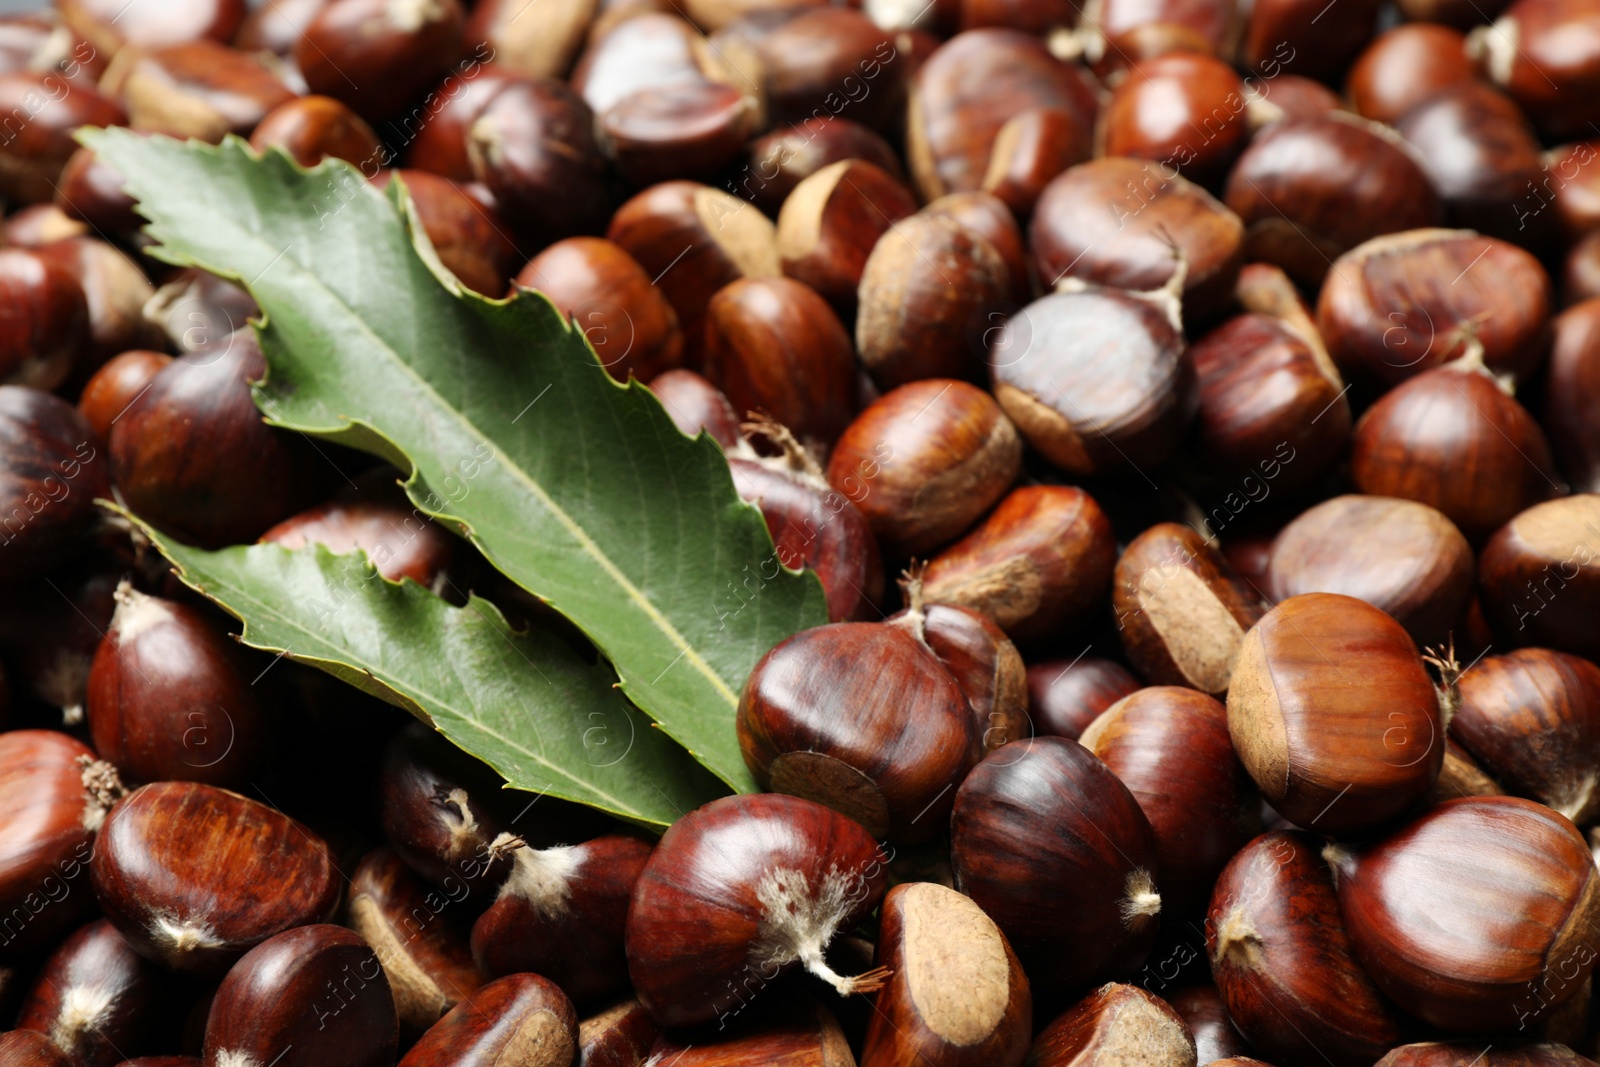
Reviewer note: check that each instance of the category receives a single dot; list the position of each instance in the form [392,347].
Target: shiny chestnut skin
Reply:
[1406,65]
[1572,382]
[1284,963]
[1311,189]
[695,405]
[1398,555]
[1452,1053]
[1291,35]
[957,994]
[468,231]
[608,296]
[1455,915]
[561,914]
[108,25]
[399,540]
[522,1018]
[43,111]
[747,886]
[170,697]
[1402,304]
[887,768]
[782,159]
[1206,1013]
[54,469]
[1532,719]
[1539,576]
[94,997]
[987,216]
[830,222]
[1334,715]
[115,293]
[1170,746]
[1182,610]
[1183,109]
[1580,271]
[1114,1024]
[1039,564]
[816,55]
[773,345]
[193,456]
[379,56]
[196,308]
[46,332]
[1058,853]
[620,1036]
[27,1048]
[651,52]
[800,1031]
[198,89]
[1452,438]
[982,660]
[90,190]
[1064,697]
[1543,53]
[425,958]
[439,146]
[195,876]
[277,26]
[1115,222]
[312,995]
[926,461]
[694,130]
[1570,186]
[312,128]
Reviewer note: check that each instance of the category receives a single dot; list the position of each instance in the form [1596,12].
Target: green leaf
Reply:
[579,489]
[525,703]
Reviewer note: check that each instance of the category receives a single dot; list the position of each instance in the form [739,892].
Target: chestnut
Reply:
[740,890]
[1454,439]
[425,959]
[1115,1024]
[1206,1013]
[312,128]
[379,56]
[1537,580]
[1476,916]
[51,626]
[779,161]
[53,471]
[987,216]
[890,770]
[45,335]
[1406,65]
[1117,222]
[773,345]
[42,112]
[1297,97]
[1170,746]
[537,39]
[1571,386]
[925,461]
[464,226]
[40,224]
[825,59]
[830,223]
[196,308]
[1398,555]
[1310,189]
[1039,564]
[649,53]
[1284,964]
[94,997]
[620,1036]
[1182,611]
[115,294]
[1302,36]
[277,26]
[198,89]
[1126,27]
[1183,109]
[799,1032]
[1065,697]
[195,876]
[927,292]
[693,130]
[1058,853]
[313,995]
[1451,1053]
[27,1048]
[1532,718]
[193,455]
[439,146]
[171,699]
[1461,777]
[521,1018]
[956,993]
[561,914]
[108,24]
[1543,53]
[696,405]
[398,540]
[1334,715]
[1569,184]
[607,295]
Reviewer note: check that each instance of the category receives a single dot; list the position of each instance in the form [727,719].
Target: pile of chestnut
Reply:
[1190,408]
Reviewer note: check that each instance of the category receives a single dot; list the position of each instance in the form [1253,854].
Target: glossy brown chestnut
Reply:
[1571,186]
[1294,35]
[312,128]
[886,767]
[539,38]
[54,469]
[1090,415]
[314,995]
[1572,389]
[93,192]
[1334,715]
[694,130]
[1404,66]
[1539,576]
[1403,557]
[830,222]
[649,53]
[1454,439]
[620,1036]
[693,240]
[468,231]
[522,1018]
[1057,852]
[784,158]
[929,294]
[827,60]
[1116,222]
[608,296]
[925,461]
[1311,189]
[26,1048]
[42,112]
[439,145]
[1064,697]
[425,959]
[956,995]
[1455,1053]
[170,697]
[1185,110]
[740,890]
[397,538]
[1039,565]
[987,216]
[1206,1013]
[561,914]
[95,997]
[1115,1024]
[115,293]
[45,334]
[195,308]
[198,89]
[1532,719]
[379,56]
[1477,916]
[1546,55]
[1580,271]
[1285,965]
[774,346]
[1182,610]
[695,405]
[195,876]
[801,1033]
[1299,97]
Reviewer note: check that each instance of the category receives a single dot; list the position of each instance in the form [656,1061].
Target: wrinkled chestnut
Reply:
[379,56]
[522,1018]
[94,997]
[1064,697]
[312,128]
[830,222]
[53,471]
[1115,1024]
[1539,576]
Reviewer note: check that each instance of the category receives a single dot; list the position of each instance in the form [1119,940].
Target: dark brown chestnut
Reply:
[1215,1036]
[115,293]
[312,128]
[45,335]
[1115,1024]
[198,89]
[1539,576]
[1544,54]
[42,111]
[379,56]
[799,1032]
[693,130]
[1571,390]
[1404,66]
[54,469]
[739,891]
[1057,852]
[695,405]
[120,381]
[1455,1053]
[439,145]
[95,997]
[824,60]
[620,1036]
[522,1018]
[1298,35]
[1064,697]
[987,216]
[1185,110]
[830,223]
[782,159]
[398,539]
[93,192]
[468,231]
